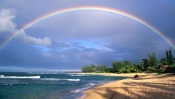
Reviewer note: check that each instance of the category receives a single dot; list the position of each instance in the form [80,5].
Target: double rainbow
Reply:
[49,15]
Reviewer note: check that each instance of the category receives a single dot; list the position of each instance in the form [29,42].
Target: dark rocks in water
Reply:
[136,76]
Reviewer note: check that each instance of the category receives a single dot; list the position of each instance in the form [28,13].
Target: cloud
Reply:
[6,20]
[39,41]
[8,26]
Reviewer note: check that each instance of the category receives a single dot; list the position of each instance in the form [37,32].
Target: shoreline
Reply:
[127,75]
[113,74]
[147,85]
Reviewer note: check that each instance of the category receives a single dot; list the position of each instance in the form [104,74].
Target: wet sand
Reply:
[146,86]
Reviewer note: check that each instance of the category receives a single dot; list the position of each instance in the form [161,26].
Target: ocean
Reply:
[47,85]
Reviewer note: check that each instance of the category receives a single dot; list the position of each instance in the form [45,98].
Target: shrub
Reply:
[170,69]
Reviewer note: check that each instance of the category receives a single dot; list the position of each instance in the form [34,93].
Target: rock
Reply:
[136,76]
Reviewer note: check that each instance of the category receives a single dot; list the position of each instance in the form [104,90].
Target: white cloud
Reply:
[39,41]
[7,25]
[6,20]
[106,49]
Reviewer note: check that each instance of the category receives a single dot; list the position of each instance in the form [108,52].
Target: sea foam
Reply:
[20,77]
[85,87]
[55,79]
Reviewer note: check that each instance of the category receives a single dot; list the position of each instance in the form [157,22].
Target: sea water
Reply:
[44,85]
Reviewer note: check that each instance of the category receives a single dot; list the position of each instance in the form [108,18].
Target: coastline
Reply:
[112,74]
[147,85]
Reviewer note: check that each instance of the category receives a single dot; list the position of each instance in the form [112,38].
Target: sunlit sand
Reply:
[146,86]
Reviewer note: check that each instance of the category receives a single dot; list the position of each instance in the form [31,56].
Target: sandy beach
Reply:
[112,74]
[146,86]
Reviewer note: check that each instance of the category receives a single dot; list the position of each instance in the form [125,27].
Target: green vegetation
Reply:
[167,65]
[93,68]
[169,57]
[170,69]
[125,67]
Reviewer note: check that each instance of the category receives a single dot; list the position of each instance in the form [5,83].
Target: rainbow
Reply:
[115,11]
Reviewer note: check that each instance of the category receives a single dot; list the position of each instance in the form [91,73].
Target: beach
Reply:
[112,74]
[146,86]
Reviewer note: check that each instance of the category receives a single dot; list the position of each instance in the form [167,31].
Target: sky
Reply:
[79,38]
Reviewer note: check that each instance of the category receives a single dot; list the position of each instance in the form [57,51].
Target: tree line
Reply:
[151,64]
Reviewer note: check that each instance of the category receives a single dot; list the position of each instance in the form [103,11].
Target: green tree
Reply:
[101,68]
[127,62]
[170,69]
[139,68]
[86,69]
[152,60]
[163,61]
[169,57]
[109,70]
[117,65]
[145,64]
[93,68]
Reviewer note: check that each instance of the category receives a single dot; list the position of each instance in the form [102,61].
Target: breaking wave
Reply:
[20,77]
[55,79]
[85,87]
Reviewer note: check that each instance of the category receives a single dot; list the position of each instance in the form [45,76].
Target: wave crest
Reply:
[55,79]
[20,77]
